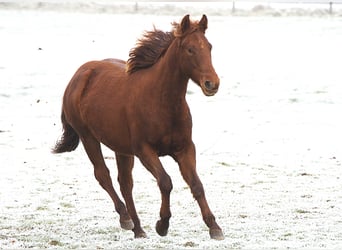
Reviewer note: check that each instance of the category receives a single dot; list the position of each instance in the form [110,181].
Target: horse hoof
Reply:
[216,234]
[127,224]
[162,229]
[140,235]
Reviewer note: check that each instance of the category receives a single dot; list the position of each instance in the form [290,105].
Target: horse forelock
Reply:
[153,45]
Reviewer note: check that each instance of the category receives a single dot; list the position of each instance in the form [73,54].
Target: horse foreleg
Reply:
[187,164]
[125,166]
[102,175]
[150,160]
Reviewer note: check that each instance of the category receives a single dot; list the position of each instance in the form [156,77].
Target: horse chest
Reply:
[164,127]
[172,138]
[169,144]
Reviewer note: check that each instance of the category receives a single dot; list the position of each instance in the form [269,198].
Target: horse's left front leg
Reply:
[151,161]
[187,164]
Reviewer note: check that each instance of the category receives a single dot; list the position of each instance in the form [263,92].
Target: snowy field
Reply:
[269,143]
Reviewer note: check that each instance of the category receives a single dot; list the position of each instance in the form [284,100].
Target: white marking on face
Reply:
[201,44]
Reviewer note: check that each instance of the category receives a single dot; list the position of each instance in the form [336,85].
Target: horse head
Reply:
[195,55]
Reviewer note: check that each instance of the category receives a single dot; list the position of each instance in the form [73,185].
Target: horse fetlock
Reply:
[139,233]
[197,190]
[210,221]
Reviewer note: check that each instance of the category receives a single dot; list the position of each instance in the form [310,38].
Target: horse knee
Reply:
[102,176]
[197,190]
[165,185]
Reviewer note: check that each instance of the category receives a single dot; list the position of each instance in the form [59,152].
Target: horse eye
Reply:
[190,51]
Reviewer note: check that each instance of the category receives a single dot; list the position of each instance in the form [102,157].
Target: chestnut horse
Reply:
[138,108]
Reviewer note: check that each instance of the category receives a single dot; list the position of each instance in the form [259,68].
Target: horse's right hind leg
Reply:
[125,166]
[102,175]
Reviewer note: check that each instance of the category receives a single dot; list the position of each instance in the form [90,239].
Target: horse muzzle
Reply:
[210,88]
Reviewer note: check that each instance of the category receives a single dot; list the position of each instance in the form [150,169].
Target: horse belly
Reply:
[117,143]
[109,126]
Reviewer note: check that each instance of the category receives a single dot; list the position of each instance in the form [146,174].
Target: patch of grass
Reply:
[285,236]
[190,244]
[321,92]
[67,205]
[10,227]
[222,163]
[304,174]
[42,208]
[55,243]
[302,211]
[243,216]
[306,196]
[293,100]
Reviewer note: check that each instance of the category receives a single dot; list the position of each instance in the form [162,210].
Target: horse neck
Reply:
[172,82]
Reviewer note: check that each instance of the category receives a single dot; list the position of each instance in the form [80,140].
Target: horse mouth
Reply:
[209,92]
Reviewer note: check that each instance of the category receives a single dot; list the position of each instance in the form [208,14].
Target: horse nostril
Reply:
[209,85]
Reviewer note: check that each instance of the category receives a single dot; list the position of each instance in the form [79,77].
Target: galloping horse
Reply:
[138,108]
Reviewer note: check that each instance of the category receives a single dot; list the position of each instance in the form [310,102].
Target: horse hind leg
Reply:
[102,175]
[125,166]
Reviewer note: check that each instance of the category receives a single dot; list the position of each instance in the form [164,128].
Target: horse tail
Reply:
[69,140]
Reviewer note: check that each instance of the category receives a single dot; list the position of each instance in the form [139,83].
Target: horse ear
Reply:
[185,24]
[203,23]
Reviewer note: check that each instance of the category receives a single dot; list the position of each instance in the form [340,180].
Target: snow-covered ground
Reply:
[269,143]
